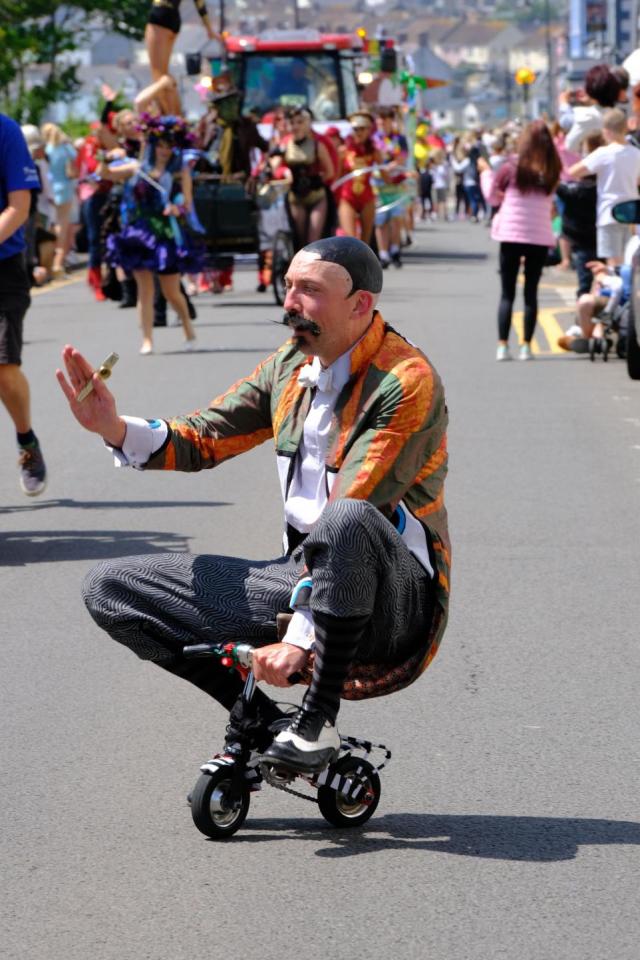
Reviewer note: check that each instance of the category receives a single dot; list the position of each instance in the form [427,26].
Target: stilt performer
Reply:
[163,26]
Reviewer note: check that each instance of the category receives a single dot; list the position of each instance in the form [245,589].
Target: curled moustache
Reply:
[297,321]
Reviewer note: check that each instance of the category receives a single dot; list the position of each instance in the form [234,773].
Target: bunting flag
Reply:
[412,82]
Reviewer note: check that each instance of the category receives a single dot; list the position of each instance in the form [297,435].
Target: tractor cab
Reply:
[289,68]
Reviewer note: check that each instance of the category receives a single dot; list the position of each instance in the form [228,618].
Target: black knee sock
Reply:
[336,642]
[27,439]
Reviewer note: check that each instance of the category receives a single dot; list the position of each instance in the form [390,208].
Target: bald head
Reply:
[354,256]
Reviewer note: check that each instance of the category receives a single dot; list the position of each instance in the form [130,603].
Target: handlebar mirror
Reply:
[627,212]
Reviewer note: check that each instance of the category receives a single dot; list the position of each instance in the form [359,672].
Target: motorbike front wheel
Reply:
[218,810]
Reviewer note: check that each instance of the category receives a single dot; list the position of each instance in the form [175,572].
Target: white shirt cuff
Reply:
[142,439]
[300,630]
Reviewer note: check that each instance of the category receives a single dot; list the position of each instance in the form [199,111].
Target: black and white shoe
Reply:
[308,744]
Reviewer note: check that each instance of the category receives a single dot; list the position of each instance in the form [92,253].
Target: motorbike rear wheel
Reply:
[341,810]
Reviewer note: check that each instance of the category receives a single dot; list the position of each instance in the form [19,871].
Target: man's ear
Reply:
[364,302]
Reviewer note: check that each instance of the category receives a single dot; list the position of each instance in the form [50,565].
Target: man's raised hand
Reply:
[97,412]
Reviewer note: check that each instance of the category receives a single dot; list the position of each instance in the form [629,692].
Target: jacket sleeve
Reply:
[501,180]
[584,122]
[234,422]
[403,437]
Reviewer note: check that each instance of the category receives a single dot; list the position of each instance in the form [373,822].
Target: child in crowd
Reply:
[440,172]
[617,168]
[579,205]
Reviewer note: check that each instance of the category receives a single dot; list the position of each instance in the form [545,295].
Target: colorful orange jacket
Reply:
[387,441]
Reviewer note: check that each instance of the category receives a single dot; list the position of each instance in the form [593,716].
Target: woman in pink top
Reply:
[523,189]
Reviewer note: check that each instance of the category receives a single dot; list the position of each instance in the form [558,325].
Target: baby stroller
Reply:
[614,317]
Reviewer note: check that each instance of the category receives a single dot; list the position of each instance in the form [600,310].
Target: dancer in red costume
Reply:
[357,203]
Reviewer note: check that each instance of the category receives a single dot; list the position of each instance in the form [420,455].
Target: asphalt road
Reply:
[508,826]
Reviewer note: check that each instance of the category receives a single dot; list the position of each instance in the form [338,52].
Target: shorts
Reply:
[612,239]
[167,17]
[441,194]
[12,312]
[396,208]
[310,200]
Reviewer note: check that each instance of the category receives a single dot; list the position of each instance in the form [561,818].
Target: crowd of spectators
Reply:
[363,183]
[547,189]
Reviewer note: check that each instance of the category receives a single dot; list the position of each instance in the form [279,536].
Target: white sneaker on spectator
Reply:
[525,352]
[502,353]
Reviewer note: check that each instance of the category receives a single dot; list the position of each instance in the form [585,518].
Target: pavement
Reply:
[508,825]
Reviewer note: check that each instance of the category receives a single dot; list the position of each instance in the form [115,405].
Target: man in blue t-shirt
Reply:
[18,177]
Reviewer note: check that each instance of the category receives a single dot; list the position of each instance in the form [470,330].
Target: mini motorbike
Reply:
[347,792]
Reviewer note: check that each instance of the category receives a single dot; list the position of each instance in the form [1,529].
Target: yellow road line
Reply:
[553,330]
[518,322]
[555,286]
[547,320]
[55,285]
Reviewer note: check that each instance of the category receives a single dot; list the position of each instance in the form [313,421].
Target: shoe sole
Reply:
[33,493]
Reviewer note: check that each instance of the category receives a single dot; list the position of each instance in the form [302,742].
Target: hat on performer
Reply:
[356,257]
[362,118]
[221,87]
[173,129]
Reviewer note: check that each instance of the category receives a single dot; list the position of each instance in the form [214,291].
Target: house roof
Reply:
[427,64]
[474,33]
[536,39]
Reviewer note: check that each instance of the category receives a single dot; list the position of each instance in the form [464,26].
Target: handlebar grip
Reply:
[200,650]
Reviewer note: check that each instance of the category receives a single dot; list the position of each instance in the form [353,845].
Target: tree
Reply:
[37,39]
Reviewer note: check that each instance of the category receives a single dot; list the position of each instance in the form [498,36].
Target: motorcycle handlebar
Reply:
[242,656]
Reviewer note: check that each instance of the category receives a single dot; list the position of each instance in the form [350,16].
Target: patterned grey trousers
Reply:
[156,604]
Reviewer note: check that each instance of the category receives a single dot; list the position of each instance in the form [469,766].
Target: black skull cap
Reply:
[356,257]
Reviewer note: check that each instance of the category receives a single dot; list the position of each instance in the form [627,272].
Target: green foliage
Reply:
[127,17]
[75,127]
[36,38]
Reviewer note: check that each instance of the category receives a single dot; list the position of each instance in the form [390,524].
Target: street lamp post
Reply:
[550,64]
[524,78]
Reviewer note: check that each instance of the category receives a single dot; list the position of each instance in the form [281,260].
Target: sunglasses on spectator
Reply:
[361,126]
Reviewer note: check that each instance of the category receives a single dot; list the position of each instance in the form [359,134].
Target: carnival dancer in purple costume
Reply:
[156,237]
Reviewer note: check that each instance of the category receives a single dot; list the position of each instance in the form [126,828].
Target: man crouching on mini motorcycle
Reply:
[358,418]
